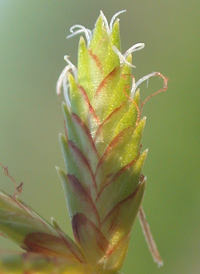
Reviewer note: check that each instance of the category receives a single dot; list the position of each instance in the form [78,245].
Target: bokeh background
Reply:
[32,46]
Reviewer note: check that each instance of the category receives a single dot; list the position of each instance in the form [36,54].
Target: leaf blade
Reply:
[19,223]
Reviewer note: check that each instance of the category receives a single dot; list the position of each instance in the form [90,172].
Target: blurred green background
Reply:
[32,46]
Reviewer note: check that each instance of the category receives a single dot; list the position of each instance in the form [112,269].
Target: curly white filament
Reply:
[141,80]
[72,67]
[62,83]
[112,21]
[88,32]
[134,48]
[122,59]
[60,79]
[81,29]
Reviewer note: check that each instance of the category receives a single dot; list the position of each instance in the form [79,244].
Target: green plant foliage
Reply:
[103,182]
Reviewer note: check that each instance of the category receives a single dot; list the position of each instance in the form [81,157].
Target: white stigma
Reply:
[81,29]
[141,80]
[113,19]
[59,84]
[62,83]
[108,27]
[72,67]
[122,57]
[134,48]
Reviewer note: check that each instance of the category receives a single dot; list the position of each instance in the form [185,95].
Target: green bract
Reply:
[103,181]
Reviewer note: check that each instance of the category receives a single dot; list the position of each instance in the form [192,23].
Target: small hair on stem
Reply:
[18,189]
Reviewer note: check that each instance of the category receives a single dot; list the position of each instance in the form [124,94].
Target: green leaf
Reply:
[122,185]
[77,164]
[79,133]
[122,87]
[23,226]
[111,60]
[103,94]
[84,69]
[100,39]
[130,116]
[116,254]
[78,198]
[123,149]
[90,238]
[119,221]
[81,106]
[122,117]
[105,132]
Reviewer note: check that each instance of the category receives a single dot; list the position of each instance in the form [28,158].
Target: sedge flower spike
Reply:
[103,182]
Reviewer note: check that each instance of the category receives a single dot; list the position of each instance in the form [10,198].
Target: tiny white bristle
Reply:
[81,29]
[60,80]
[134,48]
[122,58]
[141,80]
[112,21]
